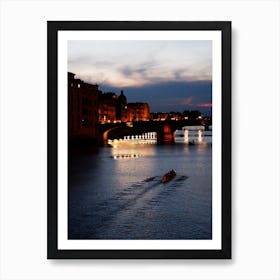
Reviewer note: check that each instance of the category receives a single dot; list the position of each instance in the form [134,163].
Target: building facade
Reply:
[107,107]
[138,111]
[113,108]
[88,107]
[82,108]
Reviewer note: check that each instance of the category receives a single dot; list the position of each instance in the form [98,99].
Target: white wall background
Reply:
[255,102]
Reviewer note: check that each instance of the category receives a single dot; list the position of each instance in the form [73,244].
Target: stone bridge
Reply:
[165,129]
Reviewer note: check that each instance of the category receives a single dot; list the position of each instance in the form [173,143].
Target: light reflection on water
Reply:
[123,197]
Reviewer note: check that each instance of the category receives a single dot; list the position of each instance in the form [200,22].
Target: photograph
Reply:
[139,116]
[144,109]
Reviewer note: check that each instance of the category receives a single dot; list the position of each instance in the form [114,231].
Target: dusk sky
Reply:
[169,75]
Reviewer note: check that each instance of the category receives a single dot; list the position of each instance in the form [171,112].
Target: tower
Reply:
[121,107]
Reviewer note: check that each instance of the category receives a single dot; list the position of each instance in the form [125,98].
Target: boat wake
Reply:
[181,178]
[137,198]
[150,179]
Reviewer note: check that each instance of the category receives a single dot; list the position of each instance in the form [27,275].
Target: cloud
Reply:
[134,71]
[139,63]
[187,101]
[204,105]
[141,69]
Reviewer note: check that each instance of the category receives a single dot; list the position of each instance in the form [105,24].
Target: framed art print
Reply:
[139,140]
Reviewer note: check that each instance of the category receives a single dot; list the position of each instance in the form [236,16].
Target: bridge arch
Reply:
[105,134]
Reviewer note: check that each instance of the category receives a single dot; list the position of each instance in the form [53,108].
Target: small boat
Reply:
[191,142]
[168,176]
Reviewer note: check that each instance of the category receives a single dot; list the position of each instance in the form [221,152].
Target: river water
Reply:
[116,193]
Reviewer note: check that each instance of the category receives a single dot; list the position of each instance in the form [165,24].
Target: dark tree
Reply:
[193,115]
[186,113]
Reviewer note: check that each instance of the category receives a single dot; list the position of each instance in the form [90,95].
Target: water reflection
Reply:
[133,150]
[202,147]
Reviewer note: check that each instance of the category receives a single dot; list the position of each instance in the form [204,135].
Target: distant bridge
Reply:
[165,129]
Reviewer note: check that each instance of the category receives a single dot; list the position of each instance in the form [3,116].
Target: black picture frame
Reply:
[53,27]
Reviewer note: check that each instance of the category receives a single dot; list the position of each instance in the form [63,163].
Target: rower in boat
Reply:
[168,176]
